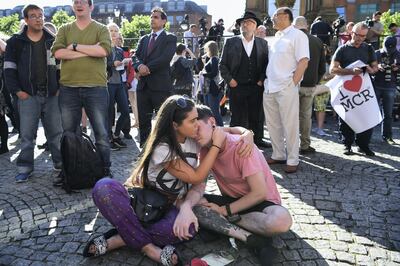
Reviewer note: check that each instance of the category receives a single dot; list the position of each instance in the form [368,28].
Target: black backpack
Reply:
[82,164]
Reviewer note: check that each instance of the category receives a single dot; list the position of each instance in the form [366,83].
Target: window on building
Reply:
[366,10]
[110,8]
[395,7]
[341,10]
[102,9]
[128,8]
[180,6]
[178,19]
[171,6]
[147,7]
[170,20]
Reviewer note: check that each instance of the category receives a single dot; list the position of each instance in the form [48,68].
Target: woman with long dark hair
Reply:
[169,163]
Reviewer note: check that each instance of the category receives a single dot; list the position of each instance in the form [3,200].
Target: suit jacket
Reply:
[157,61]
[232,55]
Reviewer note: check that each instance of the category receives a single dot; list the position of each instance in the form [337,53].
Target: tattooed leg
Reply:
[214,221]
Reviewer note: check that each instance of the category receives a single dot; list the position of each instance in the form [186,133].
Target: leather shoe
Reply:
[307,151]
[272,161]
[290,169]
[263,144]
[59,180]
[367,151]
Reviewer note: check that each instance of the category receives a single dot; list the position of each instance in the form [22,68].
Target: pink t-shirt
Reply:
[230,171]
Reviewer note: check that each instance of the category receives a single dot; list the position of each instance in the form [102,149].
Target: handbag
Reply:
[149,204]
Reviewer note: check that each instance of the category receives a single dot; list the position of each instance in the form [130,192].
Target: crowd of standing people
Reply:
[84,70]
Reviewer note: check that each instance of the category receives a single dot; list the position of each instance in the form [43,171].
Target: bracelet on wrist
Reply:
[213,145]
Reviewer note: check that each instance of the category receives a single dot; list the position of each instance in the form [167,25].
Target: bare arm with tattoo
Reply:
[186,216]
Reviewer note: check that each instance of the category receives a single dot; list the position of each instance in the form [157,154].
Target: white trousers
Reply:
[282,117]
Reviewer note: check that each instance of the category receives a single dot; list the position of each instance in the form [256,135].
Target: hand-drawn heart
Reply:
[354,84]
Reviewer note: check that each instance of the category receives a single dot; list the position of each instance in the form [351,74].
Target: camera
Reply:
[268,22]
[337,24]
[369,22]
[202,25]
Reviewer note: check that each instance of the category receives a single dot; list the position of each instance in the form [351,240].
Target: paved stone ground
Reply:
[345,211]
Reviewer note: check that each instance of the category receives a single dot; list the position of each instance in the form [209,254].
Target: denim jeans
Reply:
[31,110]
[118,95]
[95,101]
[212,101]
[387,95]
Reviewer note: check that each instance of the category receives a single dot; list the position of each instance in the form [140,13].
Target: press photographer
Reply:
[375,29]
[385,83]
[217,31]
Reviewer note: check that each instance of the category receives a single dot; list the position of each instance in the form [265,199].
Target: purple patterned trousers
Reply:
[114,203]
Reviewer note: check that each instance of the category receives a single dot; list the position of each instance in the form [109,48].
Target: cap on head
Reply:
[300,23]
[389,43]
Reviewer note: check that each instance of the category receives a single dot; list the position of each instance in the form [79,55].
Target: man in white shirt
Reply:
[191,40]
[288,59]
[242,66]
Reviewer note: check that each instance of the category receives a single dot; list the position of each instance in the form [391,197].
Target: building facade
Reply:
[104,11]
[351,10]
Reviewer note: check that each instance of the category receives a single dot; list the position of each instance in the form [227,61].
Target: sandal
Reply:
[100,244]
[166,256]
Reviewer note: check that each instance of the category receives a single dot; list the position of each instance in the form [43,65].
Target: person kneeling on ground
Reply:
[250,198]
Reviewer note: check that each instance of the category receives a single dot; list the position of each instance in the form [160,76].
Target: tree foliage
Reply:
[60,18]
[132,29]
[9,25]
[387,18]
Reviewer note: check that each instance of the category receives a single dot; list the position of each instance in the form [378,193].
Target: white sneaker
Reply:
[321,132]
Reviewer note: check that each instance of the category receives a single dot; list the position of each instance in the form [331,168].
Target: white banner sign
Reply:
[353,99]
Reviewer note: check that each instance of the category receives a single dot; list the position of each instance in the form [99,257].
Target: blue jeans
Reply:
[118,94]
[212,101]
[95,102]
[31,110]
[387,95]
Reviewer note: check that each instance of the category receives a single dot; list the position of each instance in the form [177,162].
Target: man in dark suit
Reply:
[243,63]
[151,62]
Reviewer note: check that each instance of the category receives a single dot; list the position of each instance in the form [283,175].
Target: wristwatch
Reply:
[74,45]
[232,218]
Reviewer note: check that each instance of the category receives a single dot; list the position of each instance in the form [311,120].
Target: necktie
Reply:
[151,43]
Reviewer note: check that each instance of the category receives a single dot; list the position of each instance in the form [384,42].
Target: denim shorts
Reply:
[223,200]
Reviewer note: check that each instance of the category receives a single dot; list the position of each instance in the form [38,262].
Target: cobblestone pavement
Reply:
[345,211]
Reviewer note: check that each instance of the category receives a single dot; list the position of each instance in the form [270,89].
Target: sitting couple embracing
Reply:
[183,147]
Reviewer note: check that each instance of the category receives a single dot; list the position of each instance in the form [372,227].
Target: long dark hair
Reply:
[174,109]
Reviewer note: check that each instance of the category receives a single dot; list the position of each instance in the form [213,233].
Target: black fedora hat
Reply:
[249,15]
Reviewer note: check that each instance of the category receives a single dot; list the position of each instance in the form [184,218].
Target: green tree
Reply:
[60,18]
[387,18]
[9,25]
[131,30]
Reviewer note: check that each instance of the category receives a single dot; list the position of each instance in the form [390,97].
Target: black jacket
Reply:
[232,54]
[18,64]
[157,61]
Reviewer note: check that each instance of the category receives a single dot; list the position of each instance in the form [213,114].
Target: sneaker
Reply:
[389,140]
[57,168]
[118,142]
[22,177]
[367,151]
[113,146]
[58,180]
[128,136]
[320,132]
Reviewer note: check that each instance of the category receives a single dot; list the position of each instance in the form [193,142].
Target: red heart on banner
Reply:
[354,84]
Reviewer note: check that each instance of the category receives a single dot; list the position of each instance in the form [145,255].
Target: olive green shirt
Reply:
[85,71]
